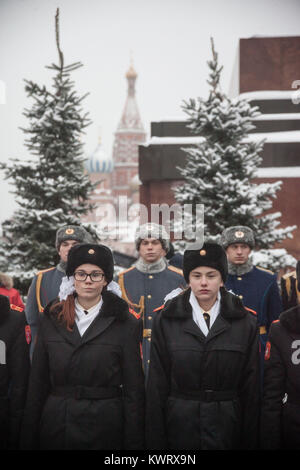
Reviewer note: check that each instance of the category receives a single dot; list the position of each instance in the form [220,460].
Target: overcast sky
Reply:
[169,41]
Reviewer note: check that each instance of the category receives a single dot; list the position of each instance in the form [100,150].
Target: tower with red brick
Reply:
[128,136]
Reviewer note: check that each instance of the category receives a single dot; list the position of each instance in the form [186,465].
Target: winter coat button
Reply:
[149,296]
[150,277]
[239,278]
[240,296]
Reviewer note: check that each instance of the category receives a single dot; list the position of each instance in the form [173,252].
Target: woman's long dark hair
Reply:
[66,311]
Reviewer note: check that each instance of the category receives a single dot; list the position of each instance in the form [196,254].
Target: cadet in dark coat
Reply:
[86,387]
[14,371]
[45,284]
[280,419]
[145,285]
[203,385]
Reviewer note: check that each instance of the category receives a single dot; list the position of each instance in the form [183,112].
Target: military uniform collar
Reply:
[240,269]
[151,268]
[179,307]
[62,267]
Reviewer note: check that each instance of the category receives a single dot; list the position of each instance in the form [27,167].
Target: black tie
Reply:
[86,312]
[206,318]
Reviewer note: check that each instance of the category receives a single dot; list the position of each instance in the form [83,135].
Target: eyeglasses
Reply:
[94,276]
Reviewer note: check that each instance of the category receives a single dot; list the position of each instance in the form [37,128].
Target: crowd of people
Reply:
[203,355]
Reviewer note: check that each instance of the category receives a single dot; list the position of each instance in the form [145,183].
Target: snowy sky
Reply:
[169,41]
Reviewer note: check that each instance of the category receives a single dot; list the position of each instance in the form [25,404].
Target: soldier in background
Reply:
[45,284]
[145,284]
[257,287]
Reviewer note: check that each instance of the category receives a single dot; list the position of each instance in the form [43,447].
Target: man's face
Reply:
[151,250]
[205,283]
[64,249]
[238,253]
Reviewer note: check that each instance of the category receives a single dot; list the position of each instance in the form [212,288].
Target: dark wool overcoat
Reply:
[14,372]
[280,418]
[87,392]
[259,291]
[203,391]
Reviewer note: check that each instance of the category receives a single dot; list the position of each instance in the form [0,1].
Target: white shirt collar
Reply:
[84,320]
[198,312]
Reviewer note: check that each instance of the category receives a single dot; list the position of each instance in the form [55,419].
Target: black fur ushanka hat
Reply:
[89,253]
[210,254]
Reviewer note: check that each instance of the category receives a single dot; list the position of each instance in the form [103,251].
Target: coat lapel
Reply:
[97,327]
[219,326]
[193,329]
[72,336]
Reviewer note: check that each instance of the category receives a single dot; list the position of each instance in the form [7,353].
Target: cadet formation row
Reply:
[201,356]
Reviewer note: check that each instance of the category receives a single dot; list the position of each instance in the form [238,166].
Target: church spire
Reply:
[131,76]
[130,119]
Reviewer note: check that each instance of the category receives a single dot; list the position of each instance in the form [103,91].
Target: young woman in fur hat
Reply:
[203,385]
[86,387]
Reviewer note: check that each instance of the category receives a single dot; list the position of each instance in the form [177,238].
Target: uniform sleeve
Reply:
[274,305]
[158,386]
[18,366]
[32,312]
[133,389]
[250,393]
[38,390]
[273,393]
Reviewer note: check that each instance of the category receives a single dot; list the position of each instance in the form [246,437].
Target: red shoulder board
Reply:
[268,351]
[28,334]
[136,315]
[15,307]
[276,321]
[159,308]
[250,310]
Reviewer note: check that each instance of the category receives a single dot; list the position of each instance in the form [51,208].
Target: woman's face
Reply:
[89,290]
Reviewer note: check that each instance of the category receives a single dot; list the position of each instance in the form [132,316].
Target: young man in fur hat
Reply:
[257,287]
[145,285]
[203,384]
[45,284]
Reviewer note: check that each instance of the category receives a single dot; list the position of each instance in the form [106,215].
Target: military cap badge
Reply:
[239,234]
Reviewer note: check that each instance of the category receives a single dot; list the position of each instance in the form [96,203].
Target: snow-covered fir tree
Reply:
[219,170]
[50,188]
